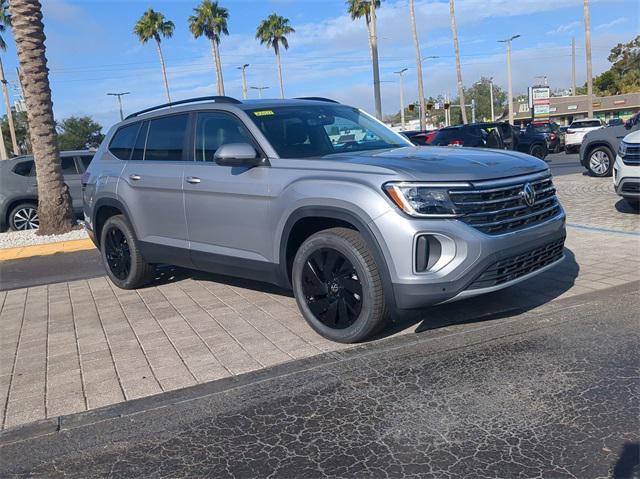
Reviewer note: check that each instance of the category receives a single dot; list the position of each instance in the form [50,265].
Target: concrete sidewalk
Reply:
[73,346]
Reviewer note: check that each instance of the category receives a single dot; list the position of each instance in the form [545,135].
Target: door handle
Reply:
[134,177]
[194,180]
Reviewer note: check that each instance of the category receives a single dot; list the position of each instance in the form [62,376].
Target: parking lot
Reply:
[76,345]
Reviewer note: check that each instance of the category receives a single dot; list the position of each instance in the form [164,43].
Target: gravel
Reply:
[16,239]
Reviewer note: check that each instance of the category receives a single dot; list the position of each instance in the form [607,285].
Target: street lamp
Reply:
[401,73]
[259,88]
[509,85]
[244,80]
[119,95]
[544,78]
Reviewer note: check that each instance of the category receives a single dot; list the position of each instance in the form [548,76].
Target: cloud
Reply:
[610,24]
[565,27]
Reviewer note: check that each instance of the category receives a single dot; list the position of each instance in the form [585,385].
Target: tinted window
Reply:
[586,124]
[138,149]
[24,168]
[86,161]
[216,129]
[166,138]
[123,141]
[68,166]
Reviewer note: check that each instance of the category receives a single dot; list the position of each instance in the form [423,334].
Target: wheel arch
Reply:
[589,147]
[103,210]
[15,202]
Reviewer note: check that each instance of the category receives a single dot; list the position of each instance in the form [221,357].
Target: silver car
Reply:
[322,198]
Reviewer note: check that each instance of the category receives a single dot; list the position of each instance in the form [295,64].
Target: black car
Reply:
[501,136]
[551,132]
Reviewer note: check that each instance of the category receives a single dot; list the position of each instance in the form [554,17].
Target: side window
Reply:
[215,129]
[68,166]
[123,140]
[86,161]
[25,168]
[138,149]
[166,138]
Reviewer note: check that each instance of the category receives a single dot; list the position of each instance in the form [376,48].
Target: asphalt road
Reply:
[530,395]
[563,164]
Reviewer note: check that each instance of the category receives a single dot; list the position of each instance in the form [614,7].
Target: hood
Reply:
[433,163]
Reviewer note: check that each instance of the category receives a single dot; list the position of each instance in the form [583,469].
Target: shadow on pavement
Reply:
[628,465]
[623,206]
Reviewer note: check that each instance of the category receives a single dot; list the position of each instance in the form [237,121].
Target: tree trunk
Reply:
[376,67]
[277,49]
[416,42]
[3,147]
[587,49]
[54,201]
[216,57]
[7,102]
[164,70]
[454,33]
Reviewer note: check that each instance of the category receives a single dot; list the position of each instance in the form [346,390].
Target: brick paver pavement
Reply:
[79,345]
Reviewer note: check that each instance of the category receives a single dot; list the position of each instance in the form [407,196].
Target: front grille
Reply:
[515,267]
[631,155]
[501,210]
[630,187]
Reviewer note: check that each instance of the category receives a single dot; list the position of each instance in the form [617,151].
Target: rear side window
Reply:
[123,141]
[25,168]
[138,149]
[165,138]
[68,166]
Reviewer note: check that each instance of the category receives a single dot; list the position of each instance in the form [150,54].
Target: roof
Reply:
[577,105]
[64,154]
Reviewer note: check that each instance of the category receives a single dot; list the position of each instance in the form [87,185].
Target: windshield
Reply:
[544,128]
[313,131]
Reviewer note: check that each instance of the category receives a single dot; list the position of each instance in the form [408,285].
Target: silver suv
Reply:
[322,198]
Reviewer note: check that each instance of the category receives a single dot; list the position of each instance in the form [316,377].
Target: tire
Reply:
[338,286]
[538,151]
[121,255]
[24,217]
[600,161]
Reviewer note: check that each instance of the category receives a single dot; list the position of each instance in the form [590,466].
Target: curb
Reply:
[47,249]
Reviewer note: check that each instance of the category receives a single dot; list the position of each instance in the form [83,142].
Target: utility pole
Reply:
[416,43]
[493,117]
[244,80]
[119,95]
[587,48]
[259,88]
[573,66]
[7,102]
[401,73]
[473,110]
[374,56]
[456,48]
[509,83]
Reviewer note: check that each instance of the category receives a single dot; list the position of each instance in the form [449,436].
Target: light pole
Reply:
[119,95]
[587,50]
[259,88]
[509,84]
[491,97]
[401,73]
[244,80]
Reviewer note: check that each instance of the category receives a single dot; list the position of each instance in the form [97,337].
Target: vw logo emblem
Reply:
[528,194]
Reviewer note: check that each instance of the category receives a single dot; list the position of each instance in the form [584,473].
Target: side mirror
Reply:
[237,154]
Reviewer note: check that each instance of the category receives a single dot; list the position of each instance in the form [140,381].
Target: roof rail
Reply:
[317,98]
[217,99]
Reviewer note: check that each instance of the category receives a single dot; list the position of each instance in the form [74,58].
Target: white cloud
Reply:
[566,27]
[612,23]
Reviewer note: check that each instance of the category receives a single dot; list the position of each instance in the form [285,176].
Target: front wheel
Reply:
[338,286]
[538,151]
[24,217]
[600,161]
[121,255]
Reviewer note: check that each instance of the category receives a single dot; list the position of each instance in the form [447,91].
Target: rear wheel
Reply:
[538,151]
[600,161]
[338,286]
[121,255]
[24,217]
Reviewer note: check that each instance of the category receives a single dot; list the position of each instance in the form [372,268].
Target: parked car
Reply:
[626,172]
[419,137]
[495,135]
[597,152]
[19,189]
[576,131]
[554,137]
[360,230]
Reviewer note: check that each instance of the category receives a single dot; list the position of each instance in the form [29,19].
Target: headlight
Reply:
[426,200]
[622,149]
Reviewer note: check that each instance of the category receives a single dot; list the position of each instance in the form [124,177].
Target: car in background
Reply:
[576,131]
[551,131]
[615,122]
[626,172]
[420,137]
[496,135]
[19,189]
[597,152]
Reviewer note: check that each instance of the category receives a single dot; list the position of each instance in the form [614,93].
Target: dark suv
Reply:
[551,132]
[19,189]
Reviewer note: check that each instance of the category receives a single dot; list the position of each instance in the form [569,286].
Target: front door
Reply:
[226,207]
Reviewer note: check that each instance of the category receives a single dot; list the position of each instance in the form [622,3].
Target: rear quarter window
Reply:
[25,168]
[123,141]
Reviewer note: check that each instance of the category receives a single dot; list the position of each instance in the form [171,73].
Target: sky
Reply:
[92,51]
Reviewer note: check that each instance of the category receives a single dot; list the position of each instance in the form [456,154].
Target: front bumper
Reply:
[472,253]
[626,179]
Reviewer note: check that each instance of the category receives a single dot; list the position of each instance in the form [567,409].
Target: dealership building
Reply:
[564,109]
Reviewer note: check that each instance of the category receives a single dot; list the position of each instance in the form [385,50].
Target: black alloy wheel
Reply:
[117,253]
[332,289]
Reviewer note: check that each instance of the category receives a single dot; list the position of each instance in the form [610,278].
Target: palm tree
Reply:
[210,20]
[416,43]
[5,21]
[272,31]
[54,202]
[587,50]
[153,25]
[367,9]
[454,33]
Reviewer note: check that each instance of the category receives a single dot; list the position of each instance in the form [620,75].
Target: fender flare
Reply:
[115,203]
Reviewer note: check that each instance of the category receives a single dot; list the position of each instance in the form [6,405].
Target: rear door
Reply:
[151,185]
[72,177]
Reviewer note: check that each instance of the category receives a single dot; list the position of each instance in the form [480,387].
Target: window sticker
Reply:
[263,113]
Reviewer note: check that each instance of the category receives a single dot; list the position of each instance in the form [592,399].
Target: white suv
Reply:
[626,170]
[576,131]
